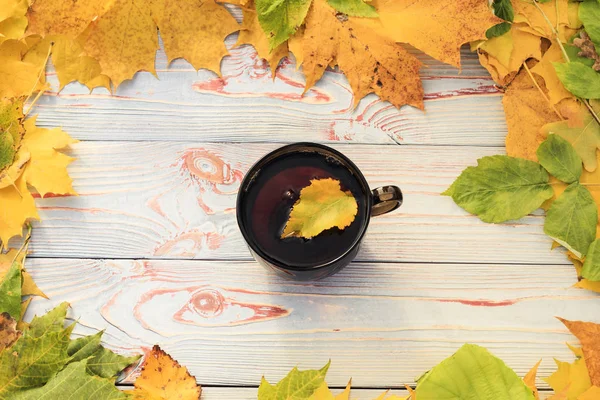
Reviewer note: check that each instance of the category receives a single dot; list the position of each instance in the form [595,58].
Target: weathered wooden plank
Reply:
[176,200]
[381,323]
[245,104]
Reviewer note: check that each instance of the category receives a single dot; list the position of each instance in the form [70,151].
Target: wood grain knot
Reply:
[207,303]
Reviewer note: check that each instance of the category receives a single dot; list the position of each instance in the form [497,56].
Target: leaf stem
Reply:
[541,91]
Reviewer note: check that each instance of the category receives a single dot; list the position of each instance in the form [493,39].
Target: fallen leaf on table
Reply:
[252,33]
[16,207]
[545,69]
[371,62]
[297,385]
[501,188]
[572,219]
[354,8]
[323,393]
[10,291]
[19,76]
[529,379]
[188,30]
[8,331]
[589,14]
[28,286]
[502,9]
[526,113]
[592,393]
[560,159]
[570,379]
[591,265]
[12,19]
[437,28]
[528,13]
[281,19]
[588,334]
[74,383]
[472,373]
[163,378]
[322,205]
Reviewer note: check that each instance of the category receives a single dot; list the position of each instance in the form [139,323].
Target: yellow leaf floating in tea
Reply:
[322,205]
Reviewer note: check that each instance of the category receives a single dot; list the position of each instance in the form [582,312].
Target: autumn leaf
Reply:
[572,379]
[163,378]
[297,385]
[589,14]
[592,393]
[584,136]
[74,382]
[529,380]
[560,159]
[8,331]
[526,112]
[372,63]
[28,286]
[10,292]
[322,205]
[528,13]
[19,75]
[502,9]
[354,8]
[472,373]
[323,393]
[588,334]
[501,188]
[591,265]
[437,28]
[252,33]
[281,19]
[545,69]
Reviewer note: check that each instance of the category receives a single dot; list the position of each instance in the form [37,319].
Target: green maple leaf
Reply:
[32,361]
[572,219]
[354,8]
[281,18]
[579,79]
[472,373]
[585,139]
[502,9]
[10,292]
[591,266]
[74,383]
[501,188]
[297,385]
[559,158]
[52,321]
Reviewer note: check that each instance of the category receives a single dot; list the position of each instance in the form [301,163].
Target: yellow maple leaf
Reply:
[322,205]
[19,75]
[526,112]
[588,334]
[504,55]
[323,393]
[16,207]
[592,393]
[12,19]
[124,38]
[437,28]
[252,33]
[372,63]
[572,378]
[529,379]
[163,378]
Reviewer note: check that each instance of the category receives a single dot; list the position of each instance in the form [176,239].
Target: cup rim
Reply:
[255,168]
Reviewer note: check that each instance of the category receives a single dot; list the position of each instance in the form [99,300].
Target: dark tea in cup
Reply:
[271,189]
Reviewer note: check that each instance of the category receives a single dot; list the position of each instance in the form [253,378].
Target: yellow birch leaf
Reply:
[64,17]
[47,168]
[252,33]
[545,69]
[437,28]
[372,63]
[16,207]
[592,393]
[528,12]
[323,393]
[588,334]
[163,378]
[322,205]
[526,113]
[529,380]
[8,331]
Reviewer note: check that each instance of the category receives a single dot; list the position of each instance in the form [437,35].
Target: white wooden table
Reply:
[150,250]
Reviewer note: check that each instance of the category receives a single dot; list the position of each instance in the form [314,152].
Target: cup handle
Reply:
[385,199]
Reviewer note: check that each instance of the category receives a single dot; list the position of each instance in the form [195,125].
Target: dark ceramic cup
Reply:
[272,186]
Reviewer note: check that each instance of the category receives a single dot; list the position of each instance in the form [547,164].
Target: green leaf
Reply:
[297,385]
[32,361]
[501,188]
[472,373]
[354,8]
[559,158]
[591,266]
[281,18]
[84,347]
[573,53]
[579,79]
[589,14]
[585,139]
[502,9]
[75,384]
[11,130]
[52,321]
[572,219]
[10,292]
[498,30]
[107,364]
